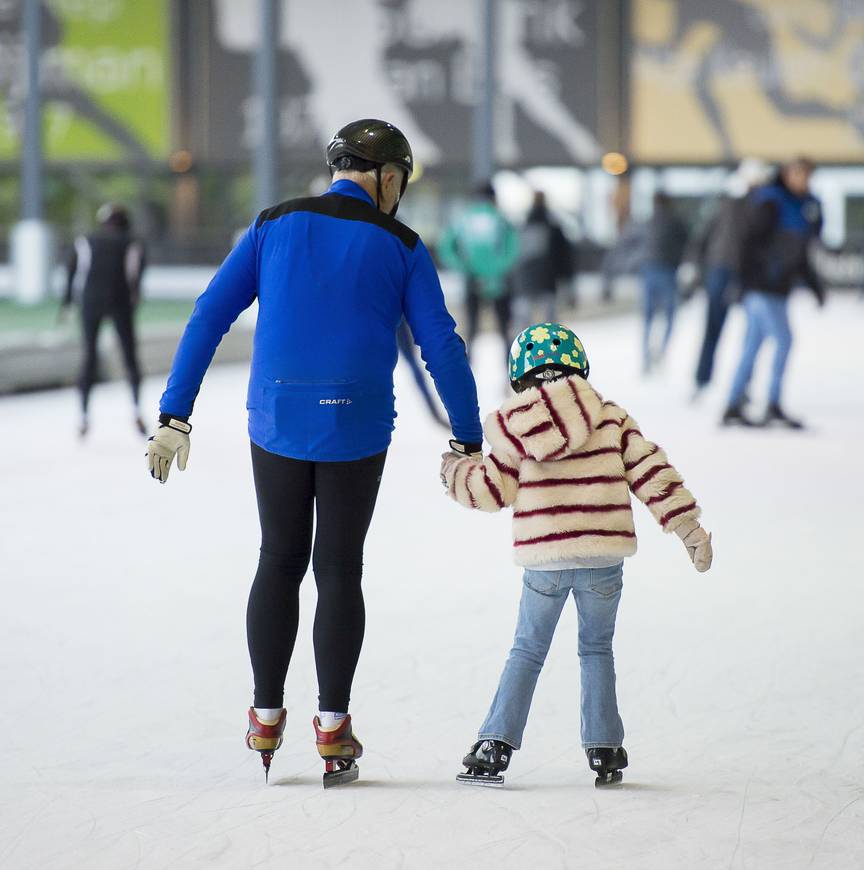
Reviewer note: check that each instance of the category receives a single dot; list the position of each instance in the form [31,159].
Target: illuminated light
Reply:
[614,163]
[180,161]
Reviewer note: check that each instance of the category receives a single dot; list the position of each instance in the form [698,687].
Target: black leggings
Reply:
[344,496]
[124,325]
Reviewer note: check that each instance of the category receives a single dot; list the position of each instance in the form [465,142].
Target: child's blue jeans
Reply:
[596,592]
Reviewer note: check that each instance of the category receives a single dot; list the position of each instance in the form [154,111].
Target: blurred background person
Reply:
[619,257]
[104,276]
[782,219]
[406,344]
[545,258]
[714,253]
[481,244]
[665,237]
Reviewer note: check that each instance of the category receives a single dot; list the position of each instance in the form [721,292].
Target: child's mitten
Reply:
[698,544]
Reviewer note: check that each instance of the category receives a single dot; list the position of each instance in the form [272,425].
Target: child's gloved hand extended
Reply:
[698,544]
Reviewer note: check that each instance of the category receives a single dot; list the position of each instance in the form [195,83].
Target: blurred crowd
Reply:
[751,244]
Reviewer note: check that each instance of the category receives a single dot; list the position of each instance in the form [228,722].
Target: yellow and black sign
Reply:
[722,79]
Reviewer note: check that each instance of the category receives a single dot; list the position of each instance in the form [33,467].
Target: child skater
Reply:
[567,462]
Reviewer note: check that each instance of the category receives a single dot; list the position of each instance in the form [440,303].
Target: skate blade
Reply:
[341,777]
[487,781]
[610,780]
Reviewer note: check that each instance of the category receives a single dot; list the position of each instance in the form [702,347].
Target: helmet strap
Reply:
[378,186]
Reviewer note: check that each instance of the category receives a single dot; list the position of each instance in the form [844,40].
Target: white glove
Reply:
[698,544]
[171,438]
[458,450]
[447,460]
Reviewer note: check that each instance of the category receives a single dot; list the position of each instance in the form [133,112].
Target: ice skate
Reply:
[776,417]
[340,750]
[734,416]
[265,737]
[485,761]
[607,763]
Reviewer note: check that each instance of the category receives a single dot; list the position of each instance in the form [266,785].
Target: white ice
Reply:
[125,678]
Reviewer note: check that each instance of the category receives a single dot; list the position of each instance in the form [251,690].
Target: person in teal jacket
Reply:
[481,244]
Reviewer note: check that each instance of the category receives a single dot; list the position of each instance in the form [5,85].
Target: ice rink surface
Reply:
[125,678]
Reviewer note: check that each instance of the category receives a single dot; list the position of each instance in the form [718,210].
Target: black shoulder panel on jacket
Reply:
[347,208]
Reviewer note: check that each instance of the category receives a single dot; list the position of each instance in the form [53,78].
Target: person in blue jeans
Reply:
[767,317]
[567,462]
[783,218]
[665,239]
[596,592]
[714,251]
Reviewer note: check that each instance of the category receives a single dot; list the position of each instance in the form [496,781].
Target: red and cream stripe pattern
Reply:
[567,462]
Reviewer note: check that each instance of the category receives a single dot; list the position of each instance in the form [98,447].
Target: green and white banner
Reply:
[105,79]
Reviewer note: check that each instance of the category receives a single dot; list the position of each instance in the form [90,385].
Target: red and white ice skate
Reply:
[265,737]
[340,750]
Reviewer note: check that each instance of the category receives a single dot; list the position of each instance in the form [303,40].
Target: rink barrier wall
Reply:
[49,362]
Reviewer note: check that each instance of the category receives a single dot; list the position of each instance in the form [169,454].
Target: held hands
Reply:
[471,450]
[458,450]
[698,544]
[171,438]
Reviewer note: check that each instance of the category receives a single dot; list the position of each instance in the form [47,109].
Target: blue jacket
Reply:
[333,276]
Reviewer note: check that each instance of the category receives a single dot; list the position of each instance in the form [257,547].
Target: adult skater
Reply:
[715,250]
[567,462]
[545,258]
[783,219]
[104,274]
[481,244]
[333,275]
[665,239]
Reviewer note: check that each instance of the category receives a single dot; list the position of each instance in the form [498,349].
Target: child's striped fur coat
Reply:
[567,462]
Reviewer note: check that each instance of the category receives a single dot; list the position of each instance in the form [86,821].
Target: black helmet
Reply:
[374,141]
[369,144]
[114,215]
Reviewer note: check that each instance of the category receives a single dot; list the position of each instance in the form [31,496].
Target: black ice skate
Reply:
[485,761]
[734,416]
[607,763]
[775,416]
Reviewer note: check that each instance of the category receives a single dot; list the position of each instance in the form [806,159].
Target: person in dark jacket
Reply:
[783,218]
[545,258]
[104,273]
[715,250]
[665,237]
[333,275]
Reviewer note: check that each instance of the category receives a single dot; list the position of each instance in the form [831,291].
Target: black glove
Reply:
[471,450]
